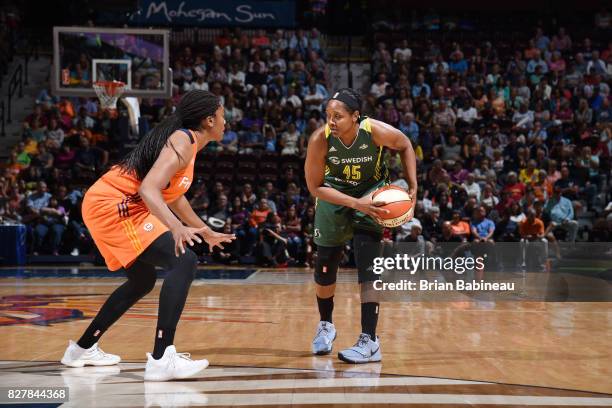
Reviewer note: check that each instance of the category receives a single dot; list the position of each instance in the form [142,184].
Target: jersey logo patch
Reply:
[333,149]
[334,160]
[363,146]
[148,227]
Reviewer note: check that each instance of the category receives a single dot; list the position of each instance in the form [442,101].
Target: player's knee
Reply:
[167,259]
[188,263]
[185,264]
[326,265]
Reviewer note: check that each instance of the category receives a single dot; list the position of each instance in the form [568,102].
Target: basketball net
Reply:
[108,93]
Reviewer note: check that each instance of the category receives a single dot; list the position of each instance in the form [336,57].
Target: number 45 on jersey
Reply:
[352,172]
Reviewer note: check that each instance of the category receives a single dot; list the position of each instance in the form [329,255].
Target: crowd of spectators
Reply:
[509,146]
[512,144]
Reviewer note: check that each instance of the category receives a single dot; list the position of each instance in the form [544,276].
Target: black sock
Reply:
[326,307]
[369,319]
[90,337]
[163,339]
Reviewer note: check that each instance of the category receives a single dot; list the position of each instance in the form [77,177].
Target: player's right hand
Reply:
[183,234]
[369,207]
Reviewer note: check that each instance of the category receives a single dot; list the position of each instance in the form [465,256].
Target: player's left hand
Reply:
[214,239]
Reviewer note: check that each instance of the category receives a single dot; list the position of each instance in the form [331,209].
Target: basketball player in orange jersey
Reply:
[344,166]
[139,219]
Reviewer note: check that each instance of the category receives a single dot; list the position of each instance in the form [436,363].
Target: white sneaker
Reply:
[365,350]
[323,341]
[75,356]
[172,366]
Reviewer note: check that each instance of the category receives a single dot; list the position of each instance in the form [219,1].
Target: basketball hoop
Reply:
[109,92]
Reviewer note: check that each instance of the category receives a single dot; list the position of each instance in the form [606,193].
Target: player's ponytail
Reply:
[194,107]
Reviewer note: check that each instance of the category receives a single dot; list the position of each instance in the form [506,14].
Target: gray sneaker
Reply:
[324,339]
[365,350]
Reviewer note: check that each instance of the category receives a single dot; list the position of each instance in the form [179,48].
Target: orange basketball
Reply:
[399,204]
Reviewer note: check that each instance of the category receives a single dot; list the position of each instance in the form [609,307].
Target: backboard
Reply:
[138,57]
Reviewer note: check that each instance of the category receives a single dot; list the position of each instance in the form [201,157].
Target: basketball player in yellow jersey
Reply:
[344,165]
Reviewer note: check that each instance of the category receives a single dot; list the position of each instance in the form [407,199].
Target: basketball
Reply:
[398,202]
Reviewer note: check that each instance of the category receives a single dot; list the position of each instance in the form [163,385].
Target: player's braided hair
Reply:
[195,106]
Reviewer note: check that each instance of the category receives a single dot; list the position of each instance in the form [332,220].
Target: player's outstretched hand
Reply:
[214,239]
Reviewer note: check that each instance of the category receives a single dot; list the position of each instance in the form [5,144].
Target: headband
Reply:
[349,100]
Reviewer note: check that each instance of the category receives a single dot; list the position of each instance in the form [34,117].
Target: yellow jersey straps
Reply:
[366,125]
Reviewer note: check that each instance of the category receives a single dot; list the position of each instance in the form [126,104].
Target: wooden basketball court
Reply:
[255,327]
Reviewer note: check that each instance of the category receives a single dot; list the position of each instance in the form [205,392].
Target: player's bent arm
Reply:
[185,212]
[164,168]
[388,136]
[315,172]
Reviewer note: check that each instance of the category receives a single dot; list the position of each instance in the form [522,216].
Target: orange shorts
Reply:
[121,226]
